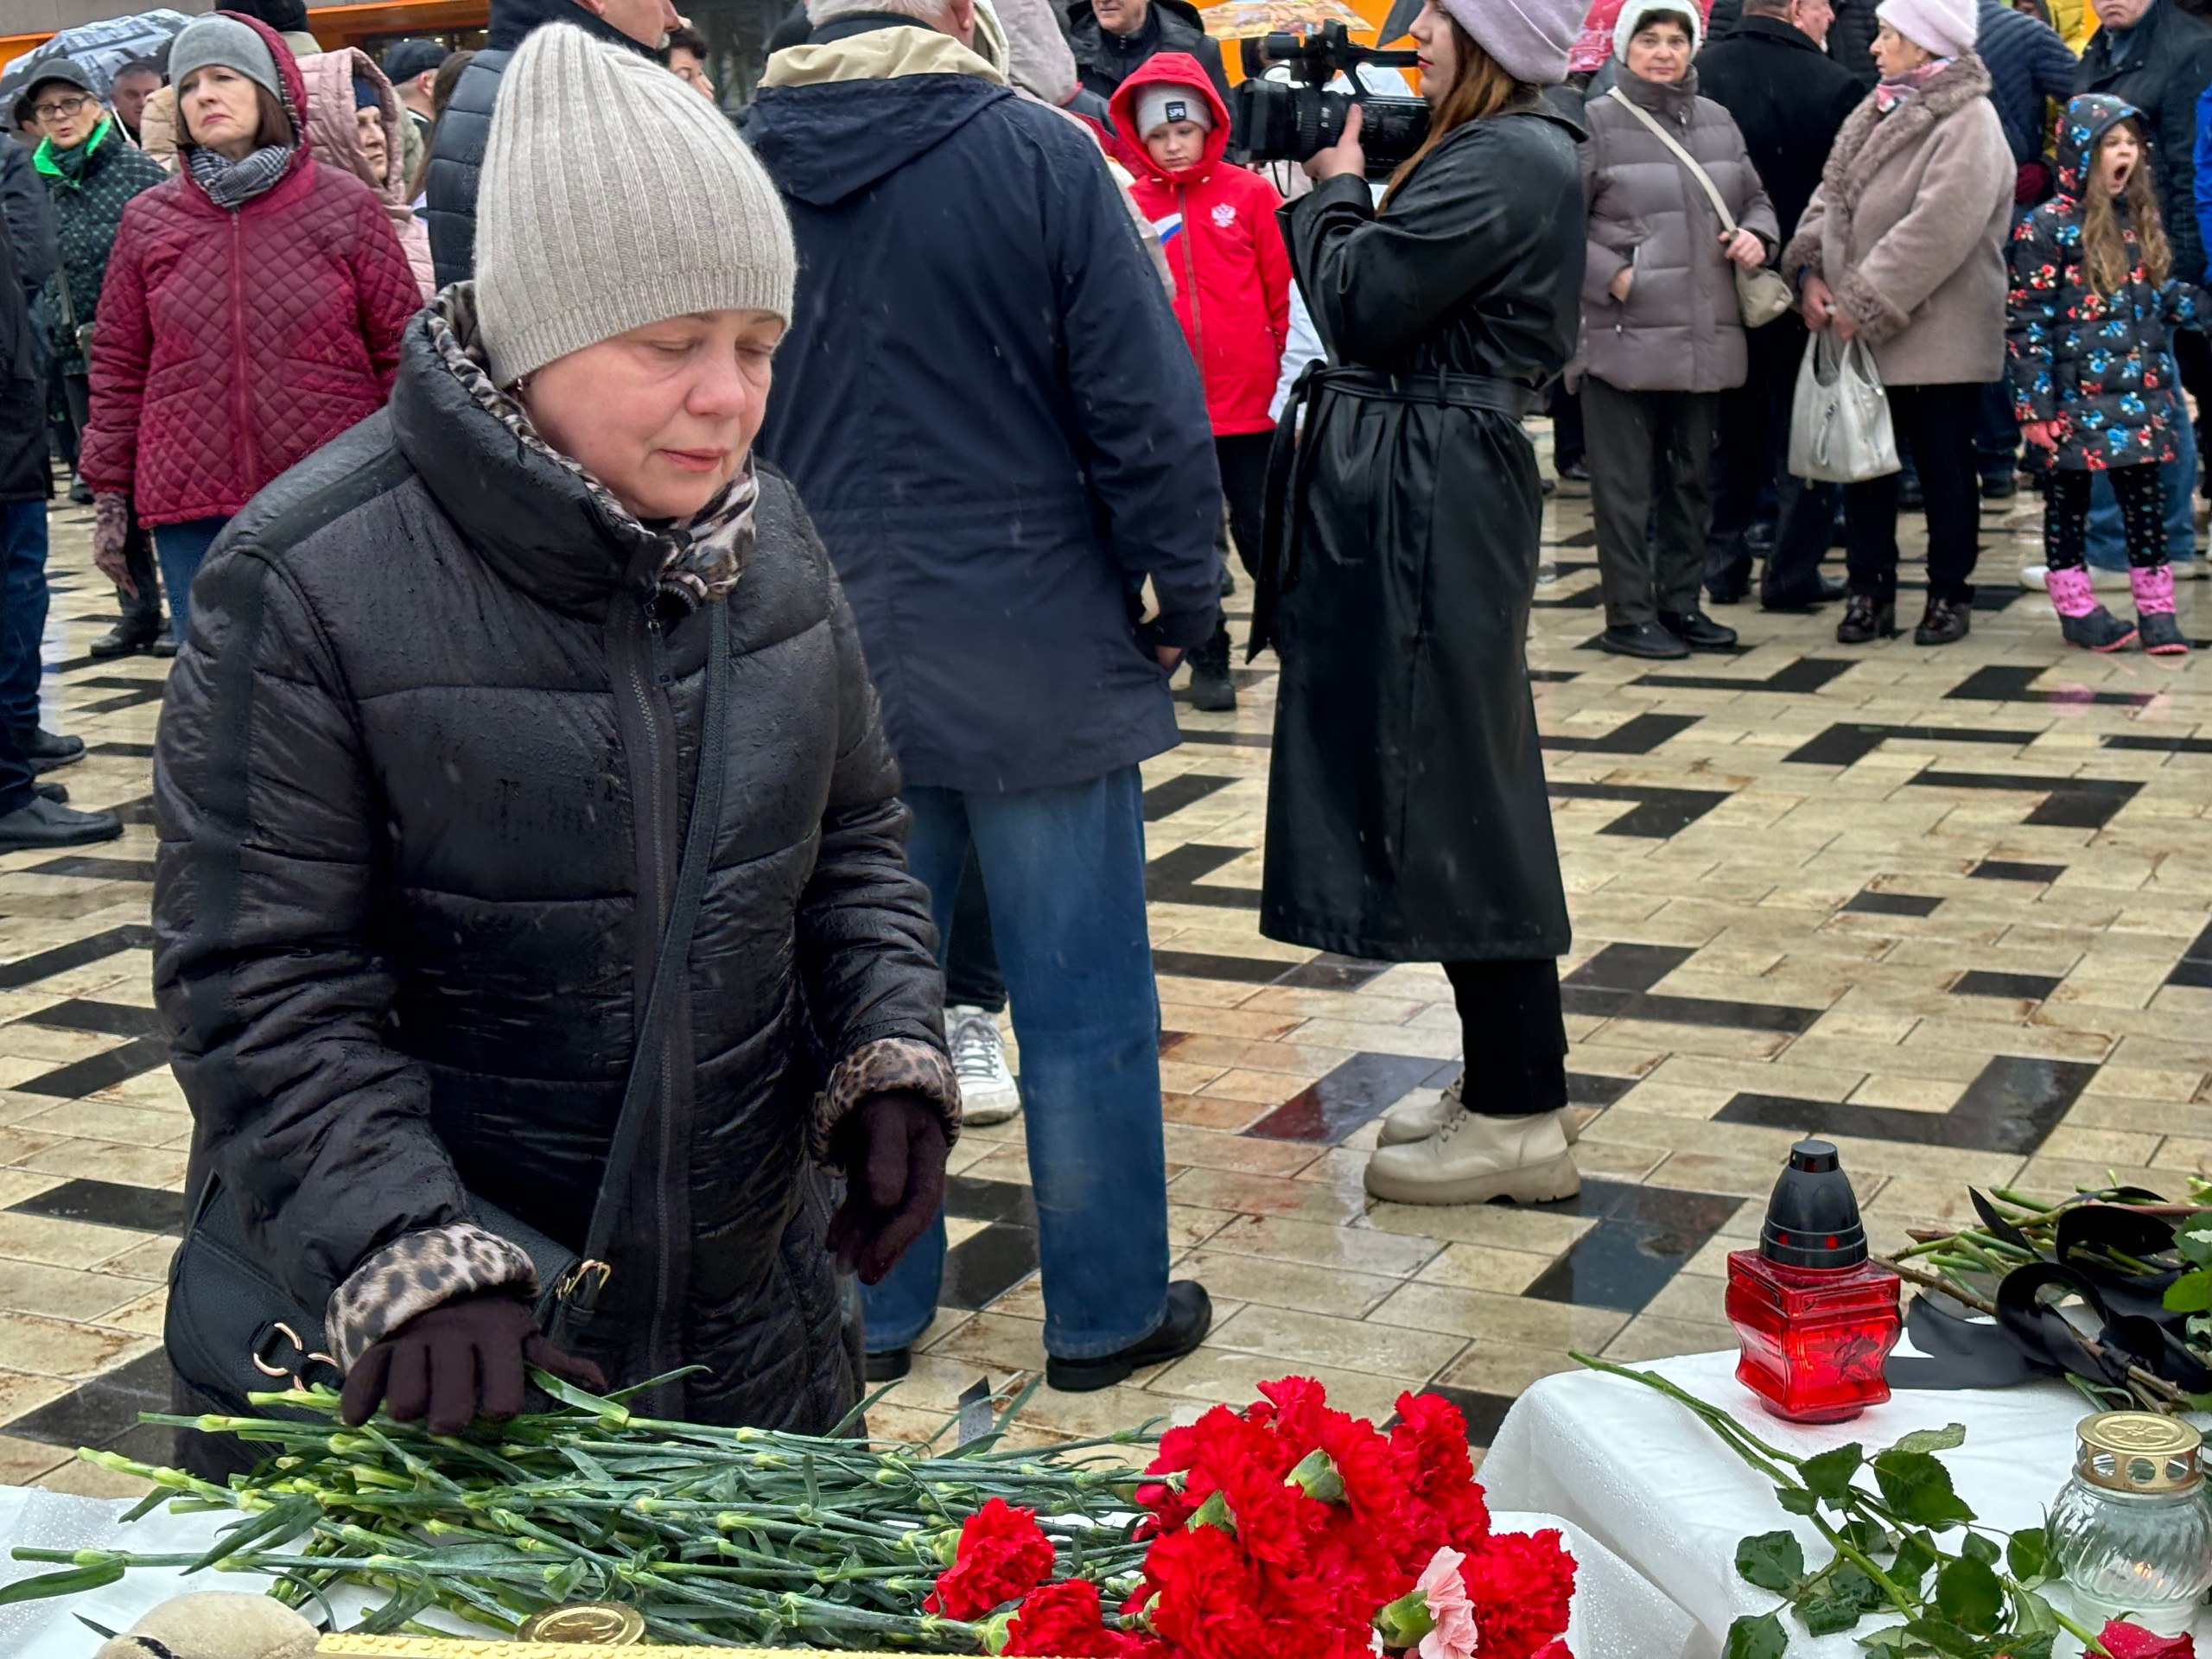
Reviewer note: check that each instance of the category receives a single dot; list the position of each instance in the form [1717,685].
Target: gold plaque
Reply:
[609,1623]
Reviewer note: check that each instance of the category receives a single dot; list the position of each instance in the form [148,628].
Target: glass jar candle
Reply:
[2132,1532]
[1814,1318]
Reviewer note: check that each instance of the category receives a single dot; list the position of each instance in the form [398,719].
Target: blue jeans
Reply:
[1063,873]
[2177,478]
[22,610]
[180,548]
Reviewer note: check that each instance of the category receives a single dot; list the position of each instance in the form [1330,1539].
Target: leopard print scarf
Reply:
[704,558]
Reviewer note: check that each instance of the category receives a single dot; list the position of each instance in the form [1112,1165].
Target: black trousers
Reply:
[1750,447]
[1938,421]
[1243,457]
[1514,1035]
[1650,456]
[144,612]
[2142,514]
[971,954]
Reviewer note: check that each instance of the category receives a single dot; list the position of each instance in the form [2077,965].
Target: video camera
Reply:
[1280,121]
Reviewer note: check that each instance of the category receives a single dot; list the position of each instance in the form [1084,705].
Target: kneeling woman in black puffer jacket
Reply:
[423,787]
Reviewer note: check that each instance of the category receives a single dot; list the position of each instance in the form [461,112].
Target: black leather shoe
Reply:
[1826,591]
[1729,590]
[46,750]
[123,639]
[42,822]
[165,642]
[1944,622]
[1646,640]
[2001,486]
[1189,1316]
[1867,619]
[58,793]
[889,1366]
[1698,630]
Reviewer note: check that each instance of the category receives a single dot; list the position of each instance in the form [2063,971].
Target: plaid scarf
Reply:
[703,558]
[231,184]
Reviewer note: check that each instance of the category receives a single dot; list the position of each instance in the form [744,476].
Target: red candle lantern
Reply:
[1817,1319]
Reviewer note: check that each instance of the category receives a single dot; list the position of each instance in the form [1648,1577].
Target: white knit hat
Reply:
[1947,28]
[1160,102]
[1634,12]
[612,196]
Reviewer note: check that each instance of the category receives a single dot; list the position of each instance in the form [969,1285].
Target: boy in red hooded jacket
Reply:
[1216,226]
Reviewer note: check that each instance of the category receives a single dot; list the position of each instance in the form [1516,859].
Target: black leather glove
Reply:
[459,1360]
[892,1149]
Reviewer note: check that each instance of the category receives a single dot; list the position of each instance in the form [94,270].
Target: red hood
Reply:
[1183,69]
[295,93]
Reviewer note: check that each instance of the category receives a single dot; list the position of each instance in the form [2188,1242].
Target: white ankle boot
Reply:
[1418,1118]
[1474,1159]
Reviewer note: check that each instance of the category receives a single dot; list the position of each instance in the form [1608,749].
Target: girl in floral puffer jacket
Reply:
[2093,372]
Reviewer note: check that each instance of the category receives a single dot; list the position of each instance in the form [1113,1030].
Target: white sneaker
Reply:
[989,1093]
[2101,580]
[1474,1159]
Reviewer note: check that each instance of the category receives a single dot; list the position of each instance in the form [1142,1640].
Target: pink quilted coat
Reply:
[231,345]
[330,123]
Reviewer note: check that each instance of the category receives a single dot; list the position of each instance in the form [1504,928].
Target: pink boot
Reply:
[2080,619]
[2154,610]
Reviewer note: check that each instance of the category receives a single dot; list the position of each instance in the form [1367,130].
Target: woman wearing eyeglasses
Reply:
[252,311]
[91,171]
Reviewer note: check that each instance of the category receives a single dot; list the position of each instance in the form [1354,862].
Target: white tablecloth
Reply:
[1645,1478]
[1617,1614]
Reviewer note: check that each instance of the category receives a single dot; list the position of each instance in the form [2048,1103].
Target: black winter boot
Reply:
[1212,690]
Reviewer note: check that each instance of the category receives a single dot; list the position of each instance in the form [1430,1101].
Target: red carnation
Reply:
[1002,1554]
[1522,1584]
[1064,1621]
[2125,1641]
[1428,1448]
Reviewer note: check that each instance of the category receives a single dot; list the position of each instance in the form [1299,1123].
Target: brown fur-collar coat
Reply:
[1909,227]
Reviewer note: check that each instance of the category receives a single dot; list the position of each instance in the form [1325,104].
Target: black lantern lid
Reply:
[1812,1221]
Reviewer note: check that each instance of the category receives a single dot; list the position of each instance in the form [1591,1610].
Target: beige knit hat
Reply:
[613,195]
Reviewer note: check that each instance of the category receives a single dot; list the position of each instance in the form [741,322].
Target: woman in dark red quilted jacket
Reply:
[253,309]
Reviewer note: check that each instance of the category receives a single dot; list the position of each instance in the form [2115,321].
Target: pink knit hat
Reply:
[1946,28]
[1528,39]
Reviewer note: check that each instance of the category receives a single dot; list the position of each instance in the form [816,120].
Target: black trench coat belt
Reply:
[1287,475]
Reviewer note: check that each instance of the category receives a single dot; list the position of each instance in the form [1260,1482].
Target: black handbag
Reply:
[234,1329]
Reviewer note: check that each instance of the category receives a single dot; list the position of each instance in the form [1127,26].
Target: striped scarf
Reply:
[231,184]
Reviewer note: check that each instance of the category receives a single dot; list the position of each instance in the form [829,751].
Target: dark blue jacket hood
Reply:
[825,142]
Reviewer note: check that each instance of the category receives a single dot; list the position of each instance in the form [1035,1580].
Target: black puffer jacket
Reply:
[426,746]
[457,147]
[1106,59]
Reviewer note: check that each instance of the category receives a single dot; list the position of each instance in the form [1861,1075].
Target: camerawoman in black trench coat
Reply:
[1407,814]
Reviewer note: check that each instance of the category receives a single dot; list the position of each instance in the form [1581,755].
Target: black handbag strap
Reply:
[579,1295]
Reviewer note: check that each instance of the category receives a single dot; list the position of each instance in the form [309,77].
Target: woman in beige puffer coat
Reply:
[1662,334]
[1903,247]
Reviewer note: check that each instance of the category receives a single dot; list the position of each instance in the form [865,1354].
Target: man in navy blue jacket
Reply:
[986,405]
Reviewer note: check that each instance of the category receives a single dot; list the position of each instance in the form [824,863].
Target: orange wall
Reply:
[337,25]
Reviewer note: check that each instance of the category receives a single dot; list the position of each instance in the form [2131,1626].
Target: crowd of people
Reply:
[669,609]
